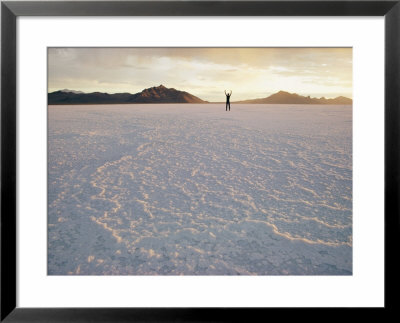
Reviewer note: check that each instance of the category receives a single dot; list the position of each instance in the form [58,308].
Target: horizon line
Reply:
[161,85]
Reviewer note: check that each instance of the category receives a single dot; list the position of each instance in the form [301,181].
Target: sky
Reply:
[204,72]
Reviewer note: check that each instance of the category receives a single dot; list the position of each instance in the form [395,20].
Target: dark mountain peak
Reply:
[162,94]
[156,88]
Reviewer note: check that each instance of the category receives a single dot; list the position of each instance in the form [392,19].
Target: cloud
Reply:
[202,71]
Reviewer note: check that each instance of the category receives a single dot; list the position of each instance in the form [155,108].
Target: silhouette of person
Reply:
[228,103]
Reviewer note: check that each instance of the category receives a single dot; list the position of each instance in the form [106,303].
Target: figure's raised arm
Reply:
[225,92]
[231,93]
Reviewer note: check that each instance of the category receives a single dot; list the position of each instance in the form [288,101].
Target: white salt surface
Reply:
[195,190]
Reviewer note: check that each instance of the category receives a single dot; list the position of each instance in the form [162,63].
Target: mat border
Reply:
[10,10]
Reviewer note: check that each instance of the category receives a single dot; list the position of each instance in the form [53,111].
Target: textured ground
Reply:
[194,190]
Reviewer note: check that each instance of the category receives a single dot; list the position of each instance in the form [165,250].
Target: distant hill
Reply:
[157,94]
[283,97]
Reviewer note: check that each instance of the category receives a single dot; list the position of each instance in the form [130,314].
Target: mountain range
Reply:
[161,94]
[283,97]
[157,94]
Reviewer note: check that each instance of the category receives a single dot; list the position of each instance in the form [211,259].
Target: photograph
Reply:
[200,161]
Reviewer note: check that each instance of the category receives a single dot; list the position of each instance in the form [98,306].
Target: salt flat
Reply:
[195,190]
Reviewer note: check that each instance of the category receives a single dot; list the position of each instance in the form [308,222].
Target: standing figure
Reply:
[228,104]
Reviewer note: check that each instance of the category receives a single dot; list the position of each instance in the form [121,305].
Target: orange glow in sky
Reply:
[204,72]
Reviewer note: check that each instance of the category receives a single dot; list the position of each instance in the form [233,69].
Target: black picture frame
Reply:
[11,10]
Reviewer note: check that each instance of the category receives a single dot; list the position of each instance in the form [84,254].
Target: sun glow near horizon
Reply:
[204,72]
